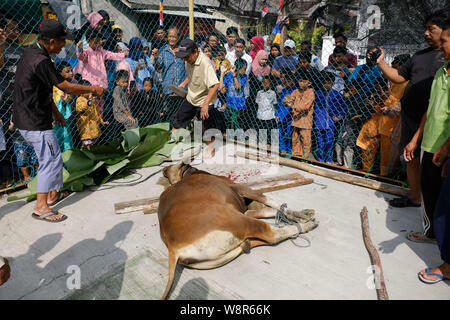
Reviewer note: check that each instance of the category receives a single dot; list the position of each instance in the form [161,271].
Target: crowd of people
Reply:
[342,113]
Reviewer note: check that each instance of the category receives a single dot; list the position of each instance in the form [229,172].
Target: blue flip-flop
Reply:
[427,270]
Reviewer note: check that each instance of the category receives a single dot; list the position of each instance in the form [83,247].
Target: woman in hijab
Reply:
[275,51]
[139,62]
[257,44]
[260,69]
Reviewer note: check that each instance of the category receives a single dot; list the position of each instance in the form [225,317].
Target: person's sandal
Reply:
[403,202]
[420,238]
[44,216]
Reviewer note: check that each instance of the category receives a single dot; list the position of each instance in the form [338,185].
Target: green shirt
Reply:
[437,127]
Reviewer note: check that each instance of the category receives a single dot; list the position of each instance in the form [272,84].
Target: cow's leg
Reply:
[267,234]
[246,192]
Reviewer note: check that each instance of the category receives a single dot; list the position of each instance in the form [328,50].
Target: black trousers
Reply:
[431,182]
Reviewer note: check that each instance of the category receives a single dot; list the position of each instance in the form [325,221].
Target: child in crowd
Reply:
[89,118]
[357,114]
[302,103]
[369,136]
[63,102]
[91,62]
[25,155]
[266,99]
[232,83]
[2,148]
[305,68]
[329,108]
[121,109]
[283,111]
[145,104]
[339,69]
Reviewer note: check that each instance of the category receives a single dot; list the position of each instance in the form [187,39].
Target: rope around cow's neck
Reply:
[281,219]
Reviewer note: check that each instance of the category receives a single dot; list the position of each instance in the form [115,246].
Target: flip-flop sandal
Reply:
[49,214]
[419,237]
[61,196]
[402,202]
[429,281]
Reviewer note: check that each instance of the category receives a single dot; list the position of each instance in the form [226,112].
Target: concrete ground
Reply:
[123,257]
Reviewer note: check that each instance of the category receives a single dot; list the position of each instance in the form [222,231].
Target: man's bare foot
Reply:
[54,197]
[442,270]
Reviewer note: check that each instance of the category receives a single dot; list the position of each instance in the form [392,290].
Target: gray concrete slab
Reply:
[123,257]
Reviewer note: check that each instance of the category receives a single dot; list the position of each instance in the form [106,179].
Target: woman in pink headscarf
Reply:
[260,68]
[257,44]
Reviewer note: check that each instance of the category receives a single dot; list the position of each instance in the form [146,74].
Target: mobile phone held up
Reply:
[374,55]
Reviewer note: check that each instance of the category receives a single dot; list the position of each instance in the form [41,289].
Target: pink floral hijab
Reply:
[257,69]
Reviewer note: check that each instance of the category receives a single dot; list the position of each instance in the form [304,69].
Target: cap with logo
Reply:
[185,48]
[52,29]
[289,44]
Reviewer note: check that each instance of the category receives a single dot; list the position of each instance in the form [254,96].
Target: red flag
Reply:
[264,11]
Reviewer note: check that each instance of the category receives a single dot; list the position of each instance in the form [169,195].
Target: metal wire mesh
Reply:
[319,100]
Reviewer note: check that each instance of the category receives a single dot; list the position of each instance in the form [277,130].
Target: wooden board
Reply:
[150,205]
[359,181]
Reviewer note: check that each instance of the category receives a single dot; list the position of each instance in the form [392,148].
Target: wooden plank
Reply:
[359,181]
[324,164]
[150,205]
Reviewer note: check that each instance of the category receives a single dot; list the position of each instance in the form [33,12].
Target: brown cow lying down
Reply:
[205,222]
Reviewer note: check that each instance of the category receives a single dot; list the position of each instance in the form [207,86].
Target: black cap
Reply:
[186,47]
[52,29]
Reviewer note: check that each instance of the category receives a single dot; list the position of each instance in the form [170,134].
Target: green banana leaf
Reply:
[137,148]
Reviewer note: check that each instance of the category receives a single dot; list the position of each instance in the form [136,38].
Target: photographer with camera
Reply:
[420,71]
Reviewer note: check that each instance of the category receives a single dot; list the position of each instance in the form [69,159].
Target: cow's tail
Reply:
[173,259]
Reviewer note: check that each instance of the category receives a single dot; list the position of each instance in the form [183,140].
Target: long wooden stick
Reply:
[363,182]
[313,161]
[374,257]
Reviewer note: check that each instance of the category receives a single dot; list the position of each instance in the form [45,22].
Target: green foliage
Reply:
[138,148]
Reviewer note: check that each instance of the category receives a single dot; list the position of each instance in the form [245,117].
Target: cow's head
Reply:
[176,172]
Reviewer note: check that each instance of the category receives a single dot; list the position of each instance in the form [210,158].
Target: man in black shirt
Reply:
[34,113]
[420,71]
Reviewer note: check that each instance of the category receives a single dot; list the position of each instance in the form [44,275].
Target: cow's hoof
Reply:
[308,226]
[301,216]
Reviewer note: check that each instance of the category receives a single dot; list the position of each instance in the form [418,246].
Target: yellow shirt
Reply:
[88,119]
[201,76]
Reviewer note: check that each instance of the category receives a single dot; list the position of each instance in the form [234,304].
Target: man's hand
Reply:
[80,46]
[59,119]
[98,91]
[408,151]
[441,155]
[335,119]
[204,113]
[2,36]
[381,57]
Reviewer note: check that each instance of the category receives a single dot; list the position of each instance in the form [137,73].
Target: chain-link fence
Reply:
[305,86]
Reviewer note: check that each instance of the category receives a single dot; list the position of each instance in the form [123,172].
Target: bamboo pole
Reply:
[363,182]
[191,20]
[380,285]
[328,165]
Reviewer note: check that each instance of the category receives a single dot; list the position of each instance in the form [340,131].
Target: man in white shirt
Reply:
[232,35]
[239,52]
